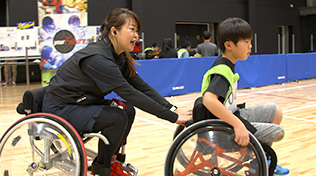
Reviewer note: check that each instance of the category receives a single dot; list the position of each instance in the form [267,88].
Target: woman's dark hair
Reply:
[232,29]
[167,44]
[117,18]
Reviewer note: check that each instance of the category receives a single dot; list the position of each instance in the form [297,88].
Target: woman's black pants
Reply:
[115,124]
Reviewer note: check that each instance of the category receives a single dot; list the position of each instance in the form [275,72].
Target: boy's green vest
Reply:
[232,78]
[180,52]
[148,49]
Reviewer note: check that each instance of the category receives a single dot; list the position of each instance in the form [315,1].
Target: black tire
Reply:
[24,147]
[186,142]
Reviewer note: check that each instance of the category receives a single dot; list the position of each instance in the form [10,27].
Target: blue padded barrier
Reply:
[195,69]
[173,76]
[167,76]
[261,70]
[301,66]
[180,76]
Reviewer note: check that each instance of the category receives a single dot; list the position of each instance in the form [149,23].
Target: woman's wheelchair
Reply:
[207,148]
[46,144]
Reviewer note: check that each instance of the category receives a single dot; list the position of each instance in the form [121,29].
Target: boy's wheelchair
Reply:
[46,144]
[207,148]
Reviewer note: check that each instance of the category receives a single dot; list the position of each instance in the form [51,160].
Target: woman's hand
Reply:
[183,116]
[241,135]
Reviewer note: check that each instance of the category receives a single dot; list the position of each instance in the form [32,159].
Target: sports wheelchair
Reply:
[46,144]
[207,148]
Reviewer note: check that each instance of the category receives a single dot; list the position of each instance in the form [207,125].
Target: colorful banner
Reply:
[62,32]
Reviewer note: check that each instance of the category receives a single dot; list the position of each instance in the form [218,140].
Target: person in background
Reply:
[151,51]
[207,48]
[10,71]
[156,52]
[184,51]
[77,91]
[167,50]
[10,74]
[137,48]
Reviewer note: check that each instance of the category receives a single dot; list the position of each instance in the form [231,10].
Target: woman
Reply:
[77,91]
[167,50]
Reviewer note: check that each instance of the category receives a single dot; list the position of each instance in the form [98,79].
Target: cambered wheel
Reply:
[42,144]
[207,148]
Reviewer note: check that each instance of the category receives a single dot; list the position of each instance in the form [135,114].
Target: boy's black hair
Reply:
[186,44]
[154,45]
[232,29]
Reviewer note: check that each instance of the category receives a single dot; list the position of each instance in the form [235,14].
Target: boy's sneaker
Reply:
[281,170]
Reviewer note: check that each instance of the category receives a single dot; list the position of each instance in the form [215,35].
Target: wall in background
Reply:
[159,17]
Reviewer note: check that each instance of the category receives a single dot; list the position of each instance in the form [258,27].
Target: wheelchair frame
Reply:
[53,143]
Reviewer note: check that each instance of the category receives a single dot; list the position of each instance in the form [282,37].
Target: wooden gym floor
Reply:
[151,137]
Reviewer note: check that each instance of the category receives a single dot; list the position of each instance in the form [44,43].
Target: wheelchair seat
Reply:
[32,101]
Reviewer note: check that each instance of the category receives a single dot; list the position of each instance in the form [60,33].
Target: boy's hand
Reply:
[211,102]
[241,135]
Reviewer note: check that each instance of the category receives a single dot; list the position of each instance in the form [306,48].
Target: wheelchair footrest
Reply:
[127,167]
[130,169]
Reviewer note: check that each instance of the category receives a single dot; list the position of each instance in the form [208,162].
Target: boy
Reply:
[184,51]
[219,88]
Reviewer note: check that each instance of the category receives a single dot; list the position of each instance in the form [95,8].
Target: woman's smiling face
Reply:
[127,36]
